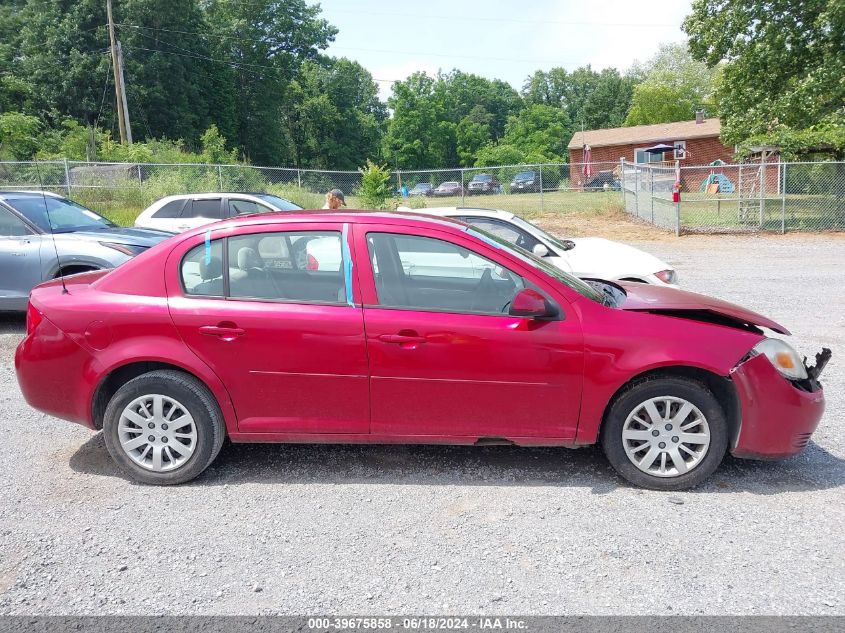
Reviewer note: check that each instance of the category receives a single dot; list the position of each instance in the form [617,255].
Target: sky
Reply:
[499,39]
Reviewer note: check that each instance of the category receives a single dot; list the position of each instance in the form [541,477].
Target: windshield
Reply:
[280,203]
[422,185]
[536,229]
[524,175]
[65,216]
[568,280]
[449,184]
[482,178]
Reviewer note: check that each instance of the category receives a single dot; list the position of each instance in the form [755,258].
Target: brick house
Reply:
[696,143]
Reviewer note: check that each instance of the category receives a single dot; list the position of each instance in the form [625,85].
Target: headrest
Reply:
[248,258]
[211,270]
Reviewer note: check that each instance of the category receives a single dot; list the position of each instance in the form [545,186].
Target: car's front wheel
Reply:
[163,427]
[665,433]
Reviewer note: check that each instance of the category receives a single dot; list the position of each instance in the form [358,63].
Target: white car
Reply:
[585,257]
[187,211]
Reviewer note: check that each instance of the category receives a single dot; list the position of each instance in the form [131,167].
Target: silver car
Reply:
[74,239]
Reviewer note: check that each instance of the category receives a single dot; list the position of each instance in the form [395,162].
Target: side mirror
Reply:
[531,304]
[540,250]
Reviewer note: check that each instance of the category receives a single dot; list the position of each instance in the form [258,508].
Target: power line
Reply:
[367,50]
[473,18]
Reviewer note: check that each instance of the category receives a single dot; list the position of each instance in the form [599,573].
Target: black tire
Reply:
[195,397]
[694,392]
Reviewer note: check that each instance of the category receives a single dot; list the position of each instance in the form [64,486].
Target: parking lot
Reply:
[395,530]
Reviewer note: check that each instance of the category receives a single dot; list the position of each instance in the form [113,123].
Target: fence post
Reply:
[542,199]
[678,203]
[622,181]
[783,199]
[399,181]
[140,177]
[220,177]
[651,195]
[462,188]
[67,179]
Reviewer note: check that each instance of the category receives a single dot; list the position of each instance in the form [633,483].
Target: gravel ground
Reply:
[397,530]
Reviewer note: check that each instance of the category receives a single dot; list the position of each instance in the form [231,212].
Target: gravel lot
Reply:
[397,530]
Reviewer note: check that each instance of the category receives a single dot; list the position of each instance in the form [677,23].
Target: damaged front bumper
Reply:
[778,416]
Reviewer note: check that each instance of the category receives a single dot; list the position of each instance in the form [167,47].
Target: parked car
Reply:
[483,183]
[527,181]
[584,257]
[43,235]
[174,351]
[448,189]
[603,181]
[187,211]
[422,189]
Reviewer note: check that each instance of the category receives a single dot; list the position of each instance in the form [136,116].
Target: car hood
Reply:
[601,258]
[665,300]
[120,235]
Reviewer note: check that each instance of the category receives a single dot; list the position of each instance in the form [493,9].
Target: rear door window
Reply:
[299,266]
[211,208]
[170,210]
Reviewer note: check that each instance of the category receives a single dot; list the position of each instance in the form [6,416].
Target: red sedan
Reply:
[400,328]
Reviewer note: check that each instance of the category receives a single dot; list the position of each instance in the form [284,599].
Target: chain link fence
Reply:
[713,198]
[748,197]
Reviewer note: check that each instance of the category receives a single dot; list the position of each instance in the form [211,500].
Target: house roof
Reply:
[680,131]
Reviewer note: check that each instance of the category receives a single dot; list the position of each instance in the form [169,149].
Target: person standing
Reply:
[334,200]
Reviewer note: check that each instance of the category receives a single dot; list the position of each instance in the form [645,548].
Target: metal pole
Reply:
[220,176]
[299,178]
[67,179]
[652,196]
[140,179]
[783,200]
[762,186]
[542,199]
[678,203]
[621,178]
[462,188]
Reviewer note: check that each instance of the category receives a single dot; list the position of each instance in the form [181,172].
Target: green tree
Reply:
[265,43]
[336,120]
[675,85]
[591,99]
[473,133]
[19,135]
[783,62]
[540,131]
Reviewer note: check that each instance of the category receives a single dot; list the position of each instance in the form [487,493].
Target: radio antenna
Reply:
[50,224]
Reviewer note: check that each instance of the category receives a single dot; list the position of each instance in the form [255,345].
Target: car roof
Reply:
[450,211]
[216,194]
[355,216]
[28,194]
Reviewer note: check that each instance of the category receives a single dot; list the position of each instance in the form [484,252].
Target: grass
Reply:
[123,204]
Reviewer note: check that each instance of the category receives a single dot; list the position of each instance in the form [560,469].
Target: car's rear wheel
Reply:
[163,427]
[666,433]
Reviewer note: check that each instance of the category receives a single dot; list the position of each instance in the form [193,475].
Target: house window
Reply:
[680,150]
[642,156]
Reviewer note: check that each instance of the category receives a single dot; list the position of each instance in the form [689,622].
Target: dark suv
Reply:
[526,181]
[483,183]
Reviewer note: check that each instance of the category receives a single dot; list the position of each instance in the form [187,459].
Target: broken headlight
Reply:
[785,359]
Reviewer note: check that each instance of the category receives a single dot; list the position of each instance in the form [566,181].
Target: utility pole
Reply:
[123,95]
[118,79]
